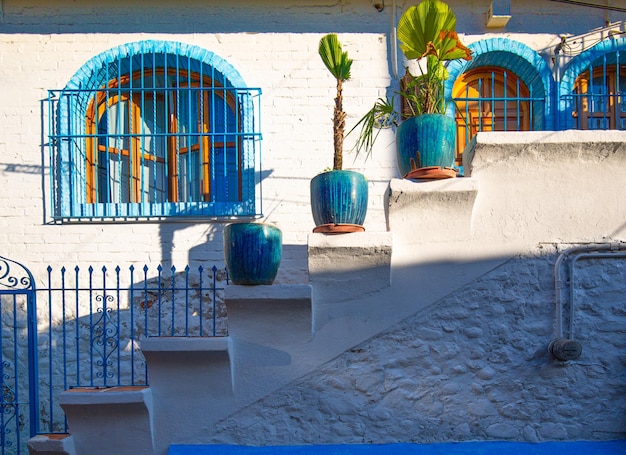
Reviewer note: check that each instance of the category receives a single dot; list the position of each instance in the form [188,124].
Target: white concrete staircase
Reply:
[441,235]
[277,333]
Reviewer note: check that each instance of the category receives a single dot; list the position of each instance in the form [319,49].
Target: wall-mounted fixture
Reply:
[379,5]
[499,13]
[564,347]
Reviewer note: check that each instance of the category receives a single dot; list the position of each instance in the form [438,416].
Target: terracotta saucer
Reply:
[342,228]
[431,173]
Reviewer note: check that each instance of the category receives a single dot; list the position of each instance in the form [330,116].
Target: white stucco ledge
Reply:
[51,444]
[349,252]
[110,395]
[431,211]
[254,313]
[110,420]
[527,149]
[185,344]
[360,257]
[274,292]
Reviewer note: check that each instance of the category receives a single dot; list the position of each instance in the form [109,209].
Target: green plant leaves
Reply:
[337,61]
[430,29]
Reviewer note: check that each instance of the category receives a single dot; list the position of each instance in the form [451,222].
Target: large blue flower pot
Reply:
[424,141]
[339,198]
[252,252]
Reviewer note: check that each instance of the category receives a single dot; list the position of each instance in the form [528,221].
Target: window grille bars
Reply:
[154,151]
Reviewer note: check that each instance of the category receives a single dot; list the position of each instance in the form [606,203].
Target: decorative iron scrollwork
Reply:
[14,275]
[8,407]
[105,337]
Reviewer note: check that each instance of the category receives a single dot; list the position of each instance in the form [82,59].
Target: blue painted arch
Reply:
[111,64]
[94,73]
[516,57]
[608,51]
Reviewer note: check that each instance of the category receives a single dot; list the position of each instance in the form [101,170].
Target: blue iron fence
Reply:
[87,326]
[18,374]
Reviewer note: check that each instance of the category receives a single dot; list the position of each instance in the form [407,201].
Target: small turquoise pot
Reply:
[339,197]
[432,135]
[252,252]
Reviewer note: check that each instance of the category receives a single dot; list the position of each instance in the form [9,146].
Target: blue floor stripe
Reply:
[462,448]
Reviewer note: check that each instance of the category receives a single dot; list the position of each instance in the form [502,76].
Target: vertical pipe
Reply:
[200,270]
[187,300]
[131,307]
[159,312]
[90,290]
[33,358]
[119,325]
[77,335]
[50,349]
[173,291]
[214,299]
[105,372]
[145,300]
[16,385]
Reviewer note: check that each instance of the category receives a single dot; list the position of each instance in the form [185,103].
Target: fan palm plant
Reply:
[426,30]
[339,64]
[338,197]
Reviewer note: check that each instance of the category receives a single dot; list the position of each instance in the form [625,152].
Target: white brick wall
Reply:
[272,44]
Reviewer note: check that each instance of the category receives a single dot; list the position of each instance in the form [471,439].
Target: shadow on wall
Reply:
[473,365]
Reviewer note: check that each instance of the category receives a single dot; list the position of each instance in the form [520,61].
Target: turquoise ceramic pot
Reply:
[339,197]
[252,252]
[432,135]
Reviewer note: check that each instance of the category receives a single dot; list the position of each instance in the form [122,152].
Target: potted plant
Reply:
[252,252]
[425,134]
[338,196]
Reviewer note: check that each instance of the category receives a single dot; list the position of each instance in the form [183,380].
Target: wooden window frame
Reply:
[612,95]
[482,115]
[103,100]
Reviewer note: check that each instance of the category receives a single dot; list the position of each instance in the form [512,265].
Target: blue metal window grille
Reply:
[494,99]
[599,96]
[150,133]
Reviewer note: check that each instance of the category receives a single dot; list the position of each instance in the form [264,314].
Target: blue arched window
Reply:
[155,129]
[506,86]
[593,88]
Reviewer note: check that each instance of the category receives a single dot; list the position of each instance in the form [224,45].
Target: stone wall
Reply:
[473,366]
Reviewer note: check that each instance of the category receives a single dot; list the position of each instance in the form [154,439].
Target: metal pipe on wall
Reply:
[567,348]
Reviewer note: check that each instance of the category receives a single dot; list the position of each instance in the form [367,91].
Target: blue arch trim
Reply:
[517,57]
[611,49]
[122,60]
[92,73]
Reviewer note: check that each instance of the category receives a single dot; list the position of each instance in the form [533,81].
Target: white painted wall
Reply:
[274,46]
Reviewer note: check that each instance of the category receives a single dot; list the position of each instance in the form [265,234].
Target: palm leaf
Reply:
[424,30]
[334,58]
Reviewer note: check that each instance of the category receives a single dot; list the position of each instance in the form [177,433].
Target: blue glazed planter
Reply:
[252,252]
[432,135]
[339,197]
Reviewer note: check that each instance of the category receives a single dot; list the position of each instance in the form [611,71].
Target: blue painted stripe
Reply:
[617,447]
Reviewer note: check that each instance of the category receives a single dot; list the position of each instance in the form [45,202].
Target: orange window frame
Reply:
[479,111]
[610,83]
[102,101]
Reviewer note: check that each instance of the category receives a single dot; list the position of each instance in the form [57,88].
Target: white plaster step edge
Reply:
[51,444]
[99,396]
[185,344]
[273,292]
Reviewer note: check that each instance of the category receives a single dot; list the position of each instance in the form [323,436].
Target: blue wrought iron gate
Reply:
[18,402]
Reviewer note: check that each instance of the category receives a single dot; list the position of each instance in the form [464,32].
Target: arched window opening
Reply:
[155,133]
[490,99]
[155,144]
[600,98]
